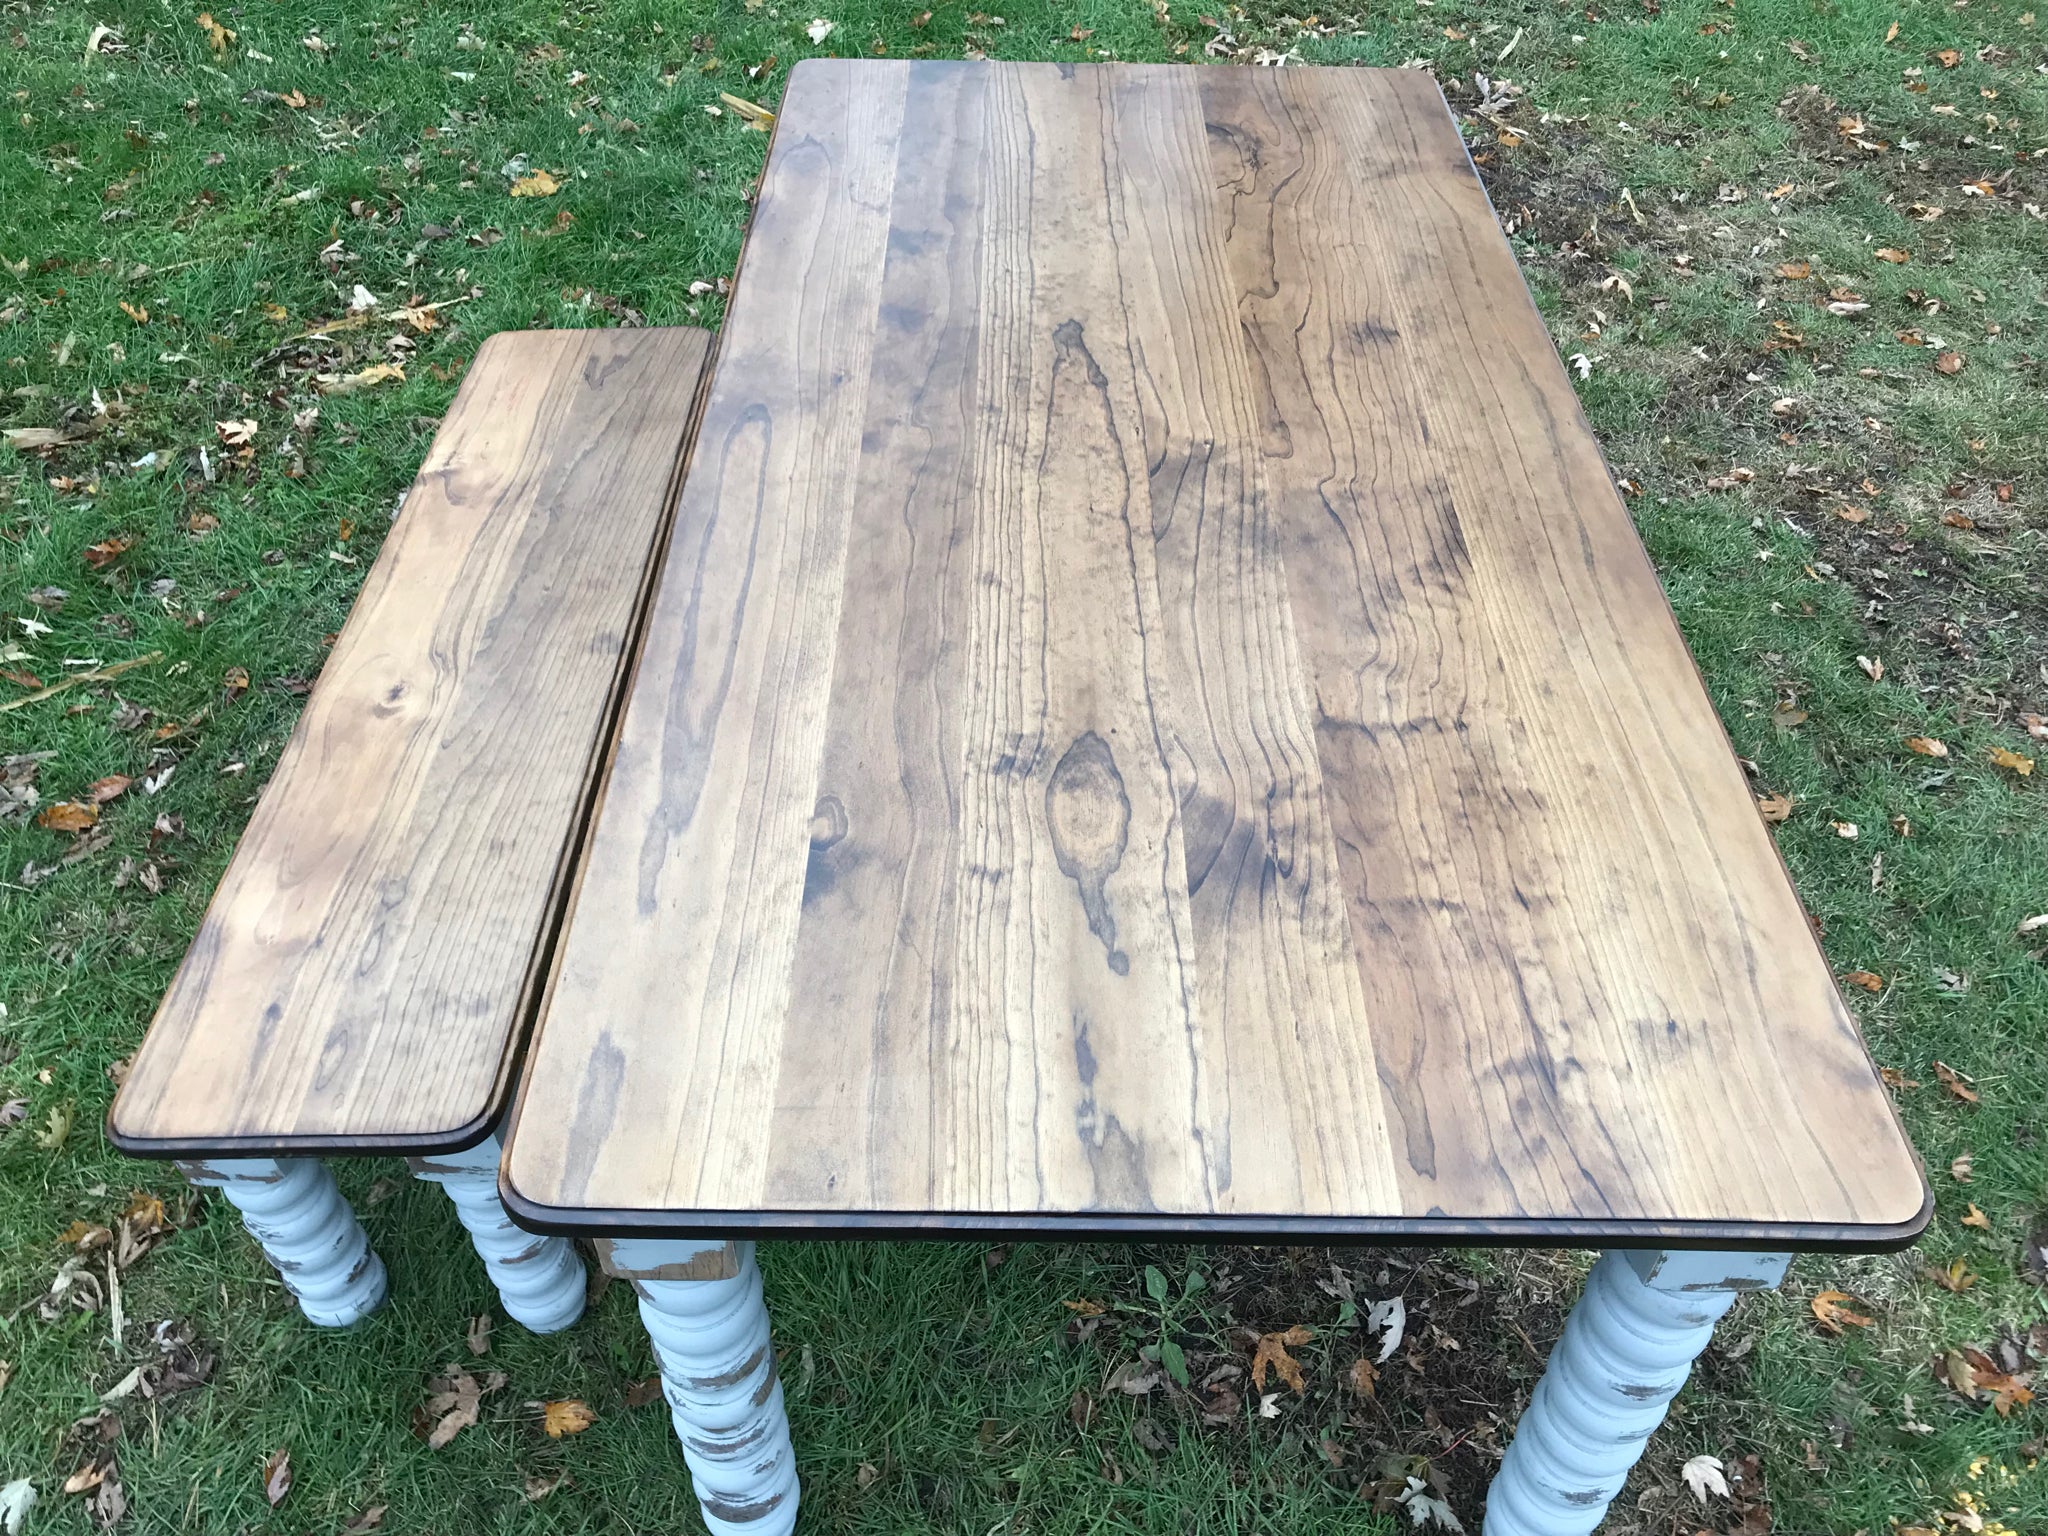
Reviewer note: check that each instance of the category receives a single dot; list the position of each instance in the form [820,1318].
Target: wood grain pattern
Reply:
[362,975]
[1156,719]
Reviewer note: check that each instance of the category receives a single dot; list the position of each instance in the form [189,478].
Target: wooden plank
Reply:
[1197,745]
[361,977]
[701,847]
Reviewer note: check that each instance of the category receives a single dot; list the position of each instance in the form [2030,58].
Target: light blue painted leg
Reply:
[308,1233]
[1627,1348]
[710,1337]
[539,1279]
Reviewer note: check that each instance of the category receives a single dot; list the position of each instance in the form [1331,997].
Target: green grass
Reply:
[239,201]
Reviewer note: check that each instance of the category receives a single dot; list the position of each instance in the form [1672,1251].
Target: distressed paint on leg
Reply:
[307,1232]
[719,1380]
[1627,1348]
[539,1279]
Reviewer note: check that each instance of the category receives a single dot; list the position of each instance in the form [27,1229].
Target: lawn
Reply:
[1794,251]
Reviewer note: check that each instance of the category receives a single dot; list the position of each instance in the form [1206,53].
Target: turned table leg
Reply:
[539,1279]
[701,1303]
[1627,1349]
[308,1232]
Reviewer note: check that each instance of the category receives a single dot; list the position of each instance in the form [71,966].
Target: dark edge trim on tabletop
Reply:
[540,964]
[1106,1226]
[396,1144]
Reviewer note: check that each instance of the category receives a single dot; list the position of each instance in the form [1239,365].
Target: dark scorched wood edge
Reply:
[1131,1226]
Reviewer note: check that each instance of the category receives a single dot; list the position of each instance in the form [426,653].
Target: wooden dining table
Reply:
[1156,723]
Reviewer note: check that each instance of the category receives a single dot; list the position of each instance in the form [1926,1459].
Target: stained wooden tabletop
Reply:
[1156,720]
[364,974]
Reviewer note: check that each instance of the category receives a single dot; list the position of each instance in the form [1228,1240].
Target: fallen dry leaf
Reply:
[1271,1354]
[1927,746]
[452,1404]
[277,1477]
[366,1520]
[1955,1082]
[56,1128]
[1949,362]
[2003,758]
[1795,269]
[479,1335]
[1869,981]
[1973,1374]
[1704,1475]
[1831,1313]
[641,1393]
[536,184]
[100,791]
[89,1476]
[1955,519]
[1954,1277]
[753,114]
[1959,1167]
[217,36]
[109,1501]
[1976,1218]
[68,816]
[1893,254]
[349,383]
[1362,1376]
[566,1416]
[103,554]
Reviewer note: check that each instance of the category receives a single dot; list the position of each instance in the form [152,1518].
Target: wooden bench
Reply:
[363,979]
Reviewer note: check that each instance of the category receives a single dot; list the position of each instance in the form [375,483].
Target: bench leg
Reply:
[308,1232]
[701,1303]
[539,1279]
[1627,1348]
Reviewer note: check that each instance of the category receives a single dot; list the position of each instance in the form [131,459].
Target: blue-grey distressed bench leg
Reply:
[308,1232]
[1627,1348]
[701,1303]
[539,1279]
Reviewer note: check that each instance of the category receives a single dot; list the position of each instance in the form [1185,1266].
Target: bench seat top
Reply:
[1157,721]
[362,977]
